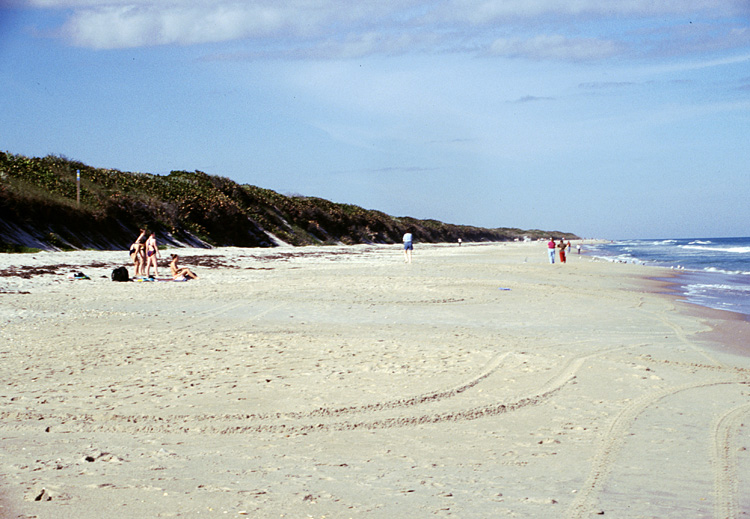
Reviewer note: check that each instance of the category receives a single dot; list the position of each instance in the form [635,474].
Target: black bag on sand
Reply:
[120,274]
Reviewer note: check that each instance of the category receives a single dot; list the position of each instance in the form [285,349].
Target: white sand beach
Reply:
[339,382]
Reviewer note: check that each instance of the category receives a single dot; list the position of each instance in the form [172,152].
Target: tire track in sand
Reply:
[682,336]
[291,423]
[692,367]
[184,424]
[435,396]
[551,386]
[613,439]
[210,315]
[724,460]
[566,373]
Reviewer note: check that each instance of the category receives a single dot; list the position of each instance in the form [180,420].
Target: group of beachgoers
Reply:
[145,252]
[552,246]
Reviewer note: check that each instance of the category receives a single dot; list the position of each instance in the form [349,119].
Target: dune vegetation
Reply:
[44,206]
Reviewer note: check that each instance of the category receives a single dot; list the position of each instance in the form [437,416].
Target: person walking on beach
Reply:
[180,274]
[408,247]
[562,251]
[137,254]
[152,252]
[551,250]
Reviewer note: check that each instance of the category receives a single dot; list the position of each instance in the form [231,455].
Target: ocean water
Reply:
[714,272]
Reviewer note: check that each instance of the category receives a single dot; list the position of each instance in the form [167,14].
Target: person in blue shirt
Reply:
[408,247]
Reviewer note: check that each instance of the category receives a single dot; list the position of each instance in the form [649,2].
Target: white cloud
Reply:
[359,45]
[117,23]
[606,85]
[532,99]
[134,26]
[554,47]
[341,28]
[490,11]
[516,8]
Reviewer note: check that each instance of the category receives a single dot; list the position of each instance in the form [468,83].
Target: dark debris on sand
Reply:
[209,261]
[56,270]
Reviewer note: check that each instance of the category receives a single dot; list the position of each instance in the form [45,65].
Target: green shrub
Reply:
[189,205]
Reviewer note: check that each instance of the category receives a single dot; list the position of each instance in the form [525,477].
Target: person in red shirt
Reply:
[551,250]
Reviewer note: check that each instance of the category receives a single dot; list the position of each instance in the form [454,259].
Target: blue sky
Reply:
[607,118]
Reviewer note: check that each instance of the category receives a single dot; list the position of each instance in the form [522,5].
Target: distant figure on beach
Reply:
[152,252]
[180,274]
[408,247]
[459,242]
[551,249]
[569,246]
[562,251]
[138,255]
[578,247]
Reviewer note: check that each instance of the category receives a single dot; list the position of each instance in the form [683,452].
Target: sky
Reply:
[612,119]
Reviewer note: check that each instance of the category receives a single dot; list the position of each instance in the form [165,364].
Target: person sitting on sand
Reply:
[152,252]
[137,254]
[180,274]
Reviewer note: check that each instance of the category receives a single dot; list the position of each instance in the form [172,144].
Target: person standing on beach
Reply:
[152,252]
[137,254]
[408,247]
[562,251]
[551,250]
